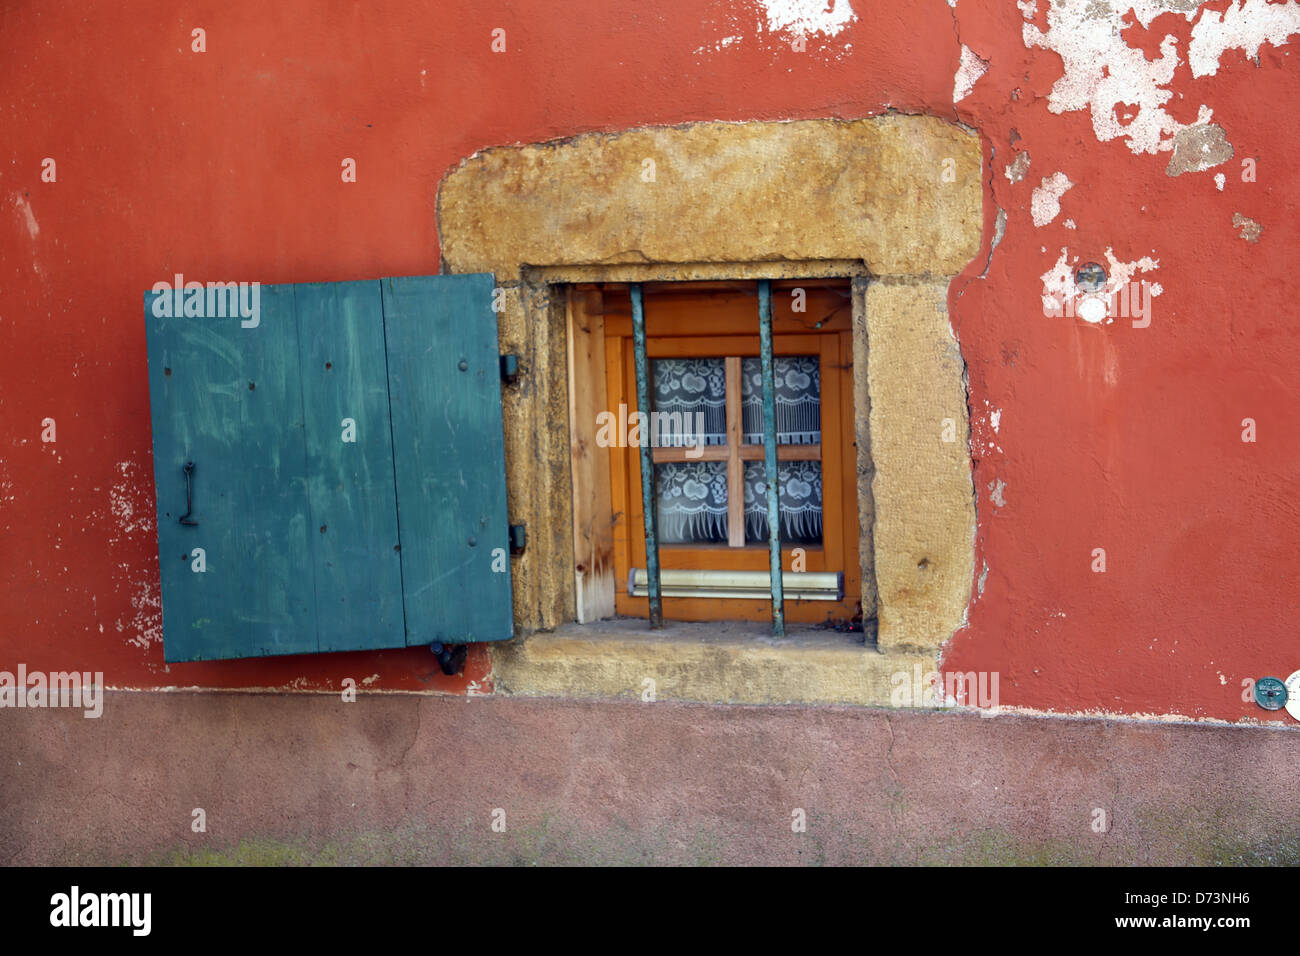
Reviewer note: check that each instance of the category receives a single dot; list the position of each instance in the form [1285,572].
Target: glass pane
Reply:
[798,400]
[690,397]
[691,501]
[800,502]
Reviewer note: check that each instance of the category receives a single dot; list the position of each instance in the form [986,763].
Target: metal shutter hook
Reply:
[189,507]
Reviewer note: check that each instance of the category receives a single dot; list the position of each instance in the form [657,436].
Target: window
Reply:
[707,431]
[710,485]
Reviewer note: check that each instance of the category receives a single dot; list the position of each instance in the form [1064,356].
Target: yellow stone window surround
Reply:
[895,203]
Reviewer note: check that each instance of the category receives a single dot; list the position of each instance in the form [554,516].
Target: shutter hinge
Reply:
[509,368]
[451,657]
[518,538]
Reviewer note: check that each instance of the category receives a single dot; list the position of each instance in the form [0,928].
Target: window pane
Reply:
[798,400]
[800,503]
[690,397]
[691,501]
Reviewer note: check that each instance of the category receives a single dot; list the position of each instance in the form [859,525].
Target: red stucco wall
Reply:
[226,164]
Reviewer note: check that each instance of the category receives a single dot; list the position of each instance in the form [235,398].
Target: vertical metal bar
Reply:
[647,460]
[769,454]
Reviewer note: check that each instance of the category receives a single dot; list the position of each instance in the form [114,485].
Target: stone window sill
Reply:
[714,662]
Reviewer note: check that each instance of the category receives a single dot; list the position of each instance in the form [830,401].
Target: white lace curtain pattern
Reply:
[687,388]
[692,501]
[800,484]
[798,400]
[691,496]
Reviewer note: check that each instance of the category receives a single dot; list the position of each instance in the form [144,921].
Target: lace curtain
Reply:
[800,501]
[692,501]
[691,496]
[798,400]
[685,388]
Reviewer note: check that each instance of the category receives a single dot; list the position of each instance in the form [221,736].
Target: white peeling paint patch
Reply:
[1062,297]
[720,45]
[972,67]
[1124,92]
[122,504]
[981,439]
[146,624]
[996,489]
[1219,181]
[29,218]
[1069,224]
[1246,27]
[1045,204]
[1103,72]
[1092,309]
[805,17]
[370,680]
[1017,169]
[1250,229]
[1122,273]
[788,22]
[123,509]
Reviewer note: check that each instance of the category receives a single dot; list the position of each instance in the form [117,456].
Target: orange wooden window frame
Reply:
[708,323]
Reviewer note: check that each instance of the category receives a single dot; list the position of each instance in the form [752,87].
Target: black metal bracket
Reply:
[189,506]
[518,538]
[510,368]
[451,657]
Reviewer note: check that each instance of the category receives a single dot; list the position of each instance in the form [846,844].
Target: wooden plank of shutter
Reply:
[449,456]
[351,487]
[228,399]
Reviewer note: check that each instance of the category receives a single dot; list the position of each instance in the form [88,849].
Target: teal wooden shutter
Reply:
[228,399]
[444,387]
[355,558]
[299,464]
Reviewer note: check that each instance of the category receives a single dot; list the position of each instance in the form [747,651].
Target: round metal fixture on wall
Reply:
[1090,277]
[1270,693]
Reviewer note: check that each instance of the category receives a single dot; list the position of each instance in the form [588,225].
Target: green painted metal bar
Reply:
[769,453]
[647,461]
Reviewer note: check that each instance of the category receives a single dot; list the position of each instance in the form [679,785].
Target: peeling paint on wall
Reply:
[1018,168]
[1059,287]
[1197,148]
[1108,77]
[795,21]
[29,218]
[971,69]
[1250,229]
[1102,71]
[997,489]
[1246,27]
[984,430]
[1045,204]
[805,17]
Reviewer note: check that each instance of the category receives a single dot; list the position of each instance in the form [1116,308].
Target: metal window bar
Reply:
[769,457]
[769,454]
[647,460]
